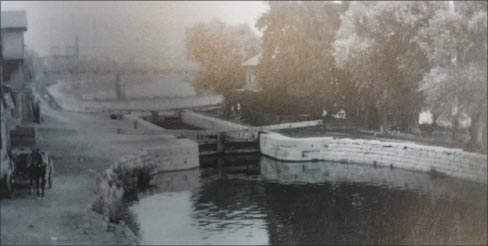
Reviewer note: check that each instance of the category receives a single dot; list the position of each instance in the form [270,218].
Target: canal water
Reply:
[264,201]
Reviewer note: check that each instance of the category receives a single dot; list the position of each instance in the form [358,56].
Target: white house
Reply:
[251,82]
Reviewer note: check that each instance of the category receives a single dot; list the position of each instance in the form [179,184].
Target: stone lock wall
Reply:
[181,156]
[164,158]
[73,103]
[208,122]
[452,162]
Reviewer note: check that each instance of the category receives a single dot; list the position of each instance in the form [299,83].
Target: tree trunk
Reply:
[484,136]
[478,132]
[454,127]
[413,124]
[384,123]
[364,117]
[435,116]
[374,118]
[474,130]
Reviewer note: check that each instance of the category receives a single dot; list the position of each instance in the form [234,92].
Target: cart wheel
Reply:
[10,185]
[50,177]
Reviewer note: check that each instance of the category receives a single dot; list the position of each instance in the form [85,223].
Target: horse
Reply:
[40,168]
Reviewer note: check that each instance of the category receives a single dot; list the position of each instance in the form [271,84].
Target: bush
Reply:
[98,205]
[119,212]
[120,185]
[134,179]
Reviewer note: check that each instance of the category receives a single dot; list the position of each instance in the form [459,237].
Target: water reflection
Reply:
[271,202]
[230,210]
[188,209]
[434,186]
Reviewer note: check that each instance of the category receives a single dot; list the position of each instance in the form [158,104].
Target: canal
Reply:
[258,200]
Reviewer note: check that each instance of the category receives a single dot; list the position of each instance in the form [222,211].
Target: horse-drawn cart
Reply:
[22,169]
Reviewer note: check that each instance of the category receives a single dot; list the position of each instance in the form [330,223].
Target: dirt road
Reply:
[83,146]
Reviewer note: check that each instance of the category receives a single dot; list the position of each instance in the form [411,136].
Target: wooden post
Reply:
[220,143]
[220,166]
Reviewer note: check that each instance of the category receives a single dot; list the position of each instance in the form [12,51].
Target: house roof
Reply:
[14,20]
[253,61]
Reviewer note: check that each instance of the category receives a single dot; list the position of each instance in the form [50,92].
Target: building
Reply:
[251,82]
[14,24]
[16,91]
[8,120]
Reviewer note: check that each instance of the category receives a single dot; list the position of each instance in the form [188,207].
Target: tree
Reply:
[455,42]
[376,45]
[220,50]
[296,65]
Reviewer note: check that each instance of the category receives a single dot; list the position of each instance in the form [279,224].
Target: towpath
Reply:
[82,147]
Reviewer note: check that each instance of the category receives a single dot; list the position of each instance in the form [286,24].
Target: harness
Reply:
[38,160]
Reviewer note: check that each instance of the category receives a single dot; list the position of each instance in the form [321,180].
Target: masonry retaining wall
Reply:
[70,102]
[452,162]
[141,123]
[182,156]
[208,122]
[163,158]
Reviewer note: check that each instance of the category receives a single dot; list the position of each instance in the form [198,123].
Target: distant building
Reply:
[250,65]
[16,91]
[8,120]
[14,24]
[236,99]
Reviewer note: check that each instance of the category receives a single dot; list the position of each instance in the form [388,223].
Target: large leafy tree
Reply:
[455,42]
[297,67]
[220,50]
[376,44]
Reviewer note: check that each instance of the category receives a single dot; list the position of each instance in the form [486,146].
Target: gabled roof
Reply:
[253,61]
[14,20]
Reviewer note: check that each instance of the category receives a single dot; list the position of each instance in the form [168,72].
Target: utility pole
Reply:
[77,48]
[119,93]
[77,57]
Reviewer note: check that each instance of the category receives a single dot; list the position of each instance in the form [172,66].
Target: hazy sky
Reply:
[125,30]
